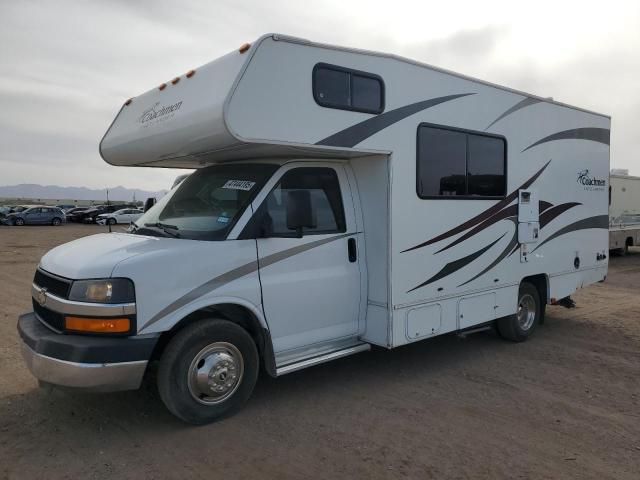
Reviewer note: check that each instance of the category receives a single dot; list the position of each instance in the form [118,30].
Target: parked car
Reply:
[78,215]
[126,215]
[69,213]
[36,216]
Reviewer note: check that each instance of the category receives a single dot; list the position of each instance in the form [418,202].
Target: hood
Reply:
[96,256]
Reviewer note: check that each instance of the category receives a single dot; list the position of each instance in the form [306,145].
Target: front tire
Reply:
[521,326]
[111,221]
[208,370]
[56,221]
[18,222]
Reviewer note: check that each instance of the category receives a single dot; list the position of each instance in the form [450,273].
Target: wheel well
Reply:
[629,242]
[542,285]
[233,313]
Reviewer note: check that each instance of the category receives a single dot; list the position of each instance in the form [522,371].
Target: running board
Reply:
[327,357]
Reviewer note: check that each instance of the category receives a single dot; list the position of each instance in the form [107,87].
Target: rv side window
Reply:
[458,163]
[326,202]
[345,89]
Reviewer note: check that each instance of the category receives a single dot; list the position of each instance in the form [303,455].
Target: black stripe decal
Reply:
[501,215]
[599,222]
[521,104]
[600,135]
[351,136]
[456,265]
[554,212]
[507,251]
[482,216]
[235,274]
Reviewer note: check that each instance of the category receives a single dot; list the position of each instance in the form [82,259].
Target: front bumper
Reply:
[81,361]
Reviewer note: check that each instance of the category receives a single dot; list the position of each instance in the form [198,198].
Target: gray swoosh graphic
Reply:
[351,136]
[235,274]
[521,104]
[599,221]
[600,135]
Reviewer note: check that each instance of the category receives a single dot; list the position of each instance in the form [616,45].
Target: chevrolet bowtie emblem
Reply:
[42,296]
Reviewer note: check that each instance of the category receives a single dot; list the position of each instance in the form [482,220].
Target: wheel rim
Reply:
[526,311]
[19,222]
[215,373]
[56,221]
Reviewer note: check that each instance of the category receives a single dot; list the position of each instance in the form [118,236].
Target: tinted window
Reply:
[326,202]
[442,158]
[338,87]
[485,166]
[332,87]
[367,93]
[459,163]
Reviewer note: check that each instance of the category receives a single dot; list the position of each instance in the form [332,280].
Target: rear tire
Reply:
[207,371]
[521,326]
[18,222]
[56,221]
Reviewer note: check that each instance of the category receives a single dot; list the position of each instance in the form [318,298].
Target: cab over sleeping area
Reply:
[340,199]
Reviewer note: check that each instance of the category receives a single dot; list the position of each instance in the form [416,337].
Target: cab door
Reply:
[308,255]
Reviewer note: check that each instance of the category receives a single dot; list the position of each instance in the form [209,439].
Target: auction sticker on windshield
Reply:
[239,185]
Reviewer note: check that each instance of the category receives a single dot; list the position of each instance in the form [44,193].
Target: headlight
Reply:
[111,290]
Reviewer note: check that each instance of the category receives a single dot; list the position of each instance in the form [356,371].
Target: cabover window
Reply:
[459,163]
[338,87]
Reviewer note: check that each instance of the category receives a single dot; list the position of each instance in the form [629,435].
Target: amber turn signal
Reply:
[97,325]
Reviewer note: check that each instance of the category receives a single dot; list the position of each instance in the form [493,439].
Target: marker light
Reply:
[128,102]
[97,325]
[190,73]
[244,47]
[162,87]
[175,80]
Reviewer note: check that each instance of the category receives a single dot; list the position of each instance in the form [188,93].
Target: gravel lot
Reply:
[564,405]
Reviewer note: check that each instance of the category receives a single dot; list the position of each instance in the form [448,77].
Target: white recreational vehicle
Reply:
[342,199]
[624,212]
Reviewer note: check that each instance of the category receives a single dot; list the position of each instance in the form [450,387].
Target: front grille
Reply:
[55,285]
[54,319]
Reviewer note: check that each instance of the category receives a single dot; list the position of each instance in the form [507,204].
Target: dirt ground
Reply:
[564,405]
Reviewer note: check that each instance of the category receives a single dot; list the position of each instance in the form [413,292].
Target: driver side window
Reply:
[326,202]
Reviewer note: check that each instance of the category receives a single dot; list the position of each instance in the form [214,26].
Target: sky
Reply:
[66,67]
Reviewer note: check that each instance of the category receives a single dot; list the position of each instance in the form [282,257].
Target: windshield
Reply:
[206,205]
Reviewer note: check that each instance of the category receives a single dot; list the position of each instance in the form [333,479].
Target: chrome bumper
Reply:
[92,363]
[97,377]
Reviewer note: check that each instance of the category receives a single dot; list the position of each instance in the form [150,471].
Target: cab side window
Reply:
[326,202]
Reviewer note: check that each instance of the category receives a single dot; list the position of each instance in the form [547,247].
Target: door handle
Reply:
[353,252]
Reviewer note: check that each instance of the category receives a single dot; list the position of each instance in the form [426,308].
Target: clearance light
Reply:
[244,47]
[97,325]
[128,102]
[162,87]
[190,73]
[175,80]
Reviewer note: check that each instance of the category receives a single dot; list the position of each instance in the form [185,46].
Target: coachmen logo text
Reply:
[159,112]
[590,182]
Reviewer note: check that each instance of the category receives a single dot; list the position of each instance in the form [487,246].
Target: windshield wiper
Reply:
[170,230]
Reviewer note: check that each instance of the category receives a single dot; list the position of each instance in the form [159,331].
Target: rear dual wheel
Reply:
[208,370]
[521,326]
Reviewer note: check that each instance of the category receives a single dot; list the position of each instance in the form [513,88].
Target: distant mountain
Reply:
[54,192]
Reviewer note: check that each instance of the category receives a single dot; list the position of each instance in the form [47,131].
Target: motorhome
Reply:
[624,212]
[341,199]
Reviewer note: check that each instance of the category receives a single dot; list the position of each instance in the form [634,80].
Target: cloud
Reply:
[67,66]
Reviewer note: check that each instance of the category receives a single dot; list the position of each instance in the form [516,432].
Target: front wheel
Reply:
[111,221]
[19,222]
[521,326]
[208,370]
[56,221]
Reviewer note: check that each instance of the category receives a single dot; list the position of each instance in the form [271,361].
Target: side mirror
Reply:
[150,202]
[299,211]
